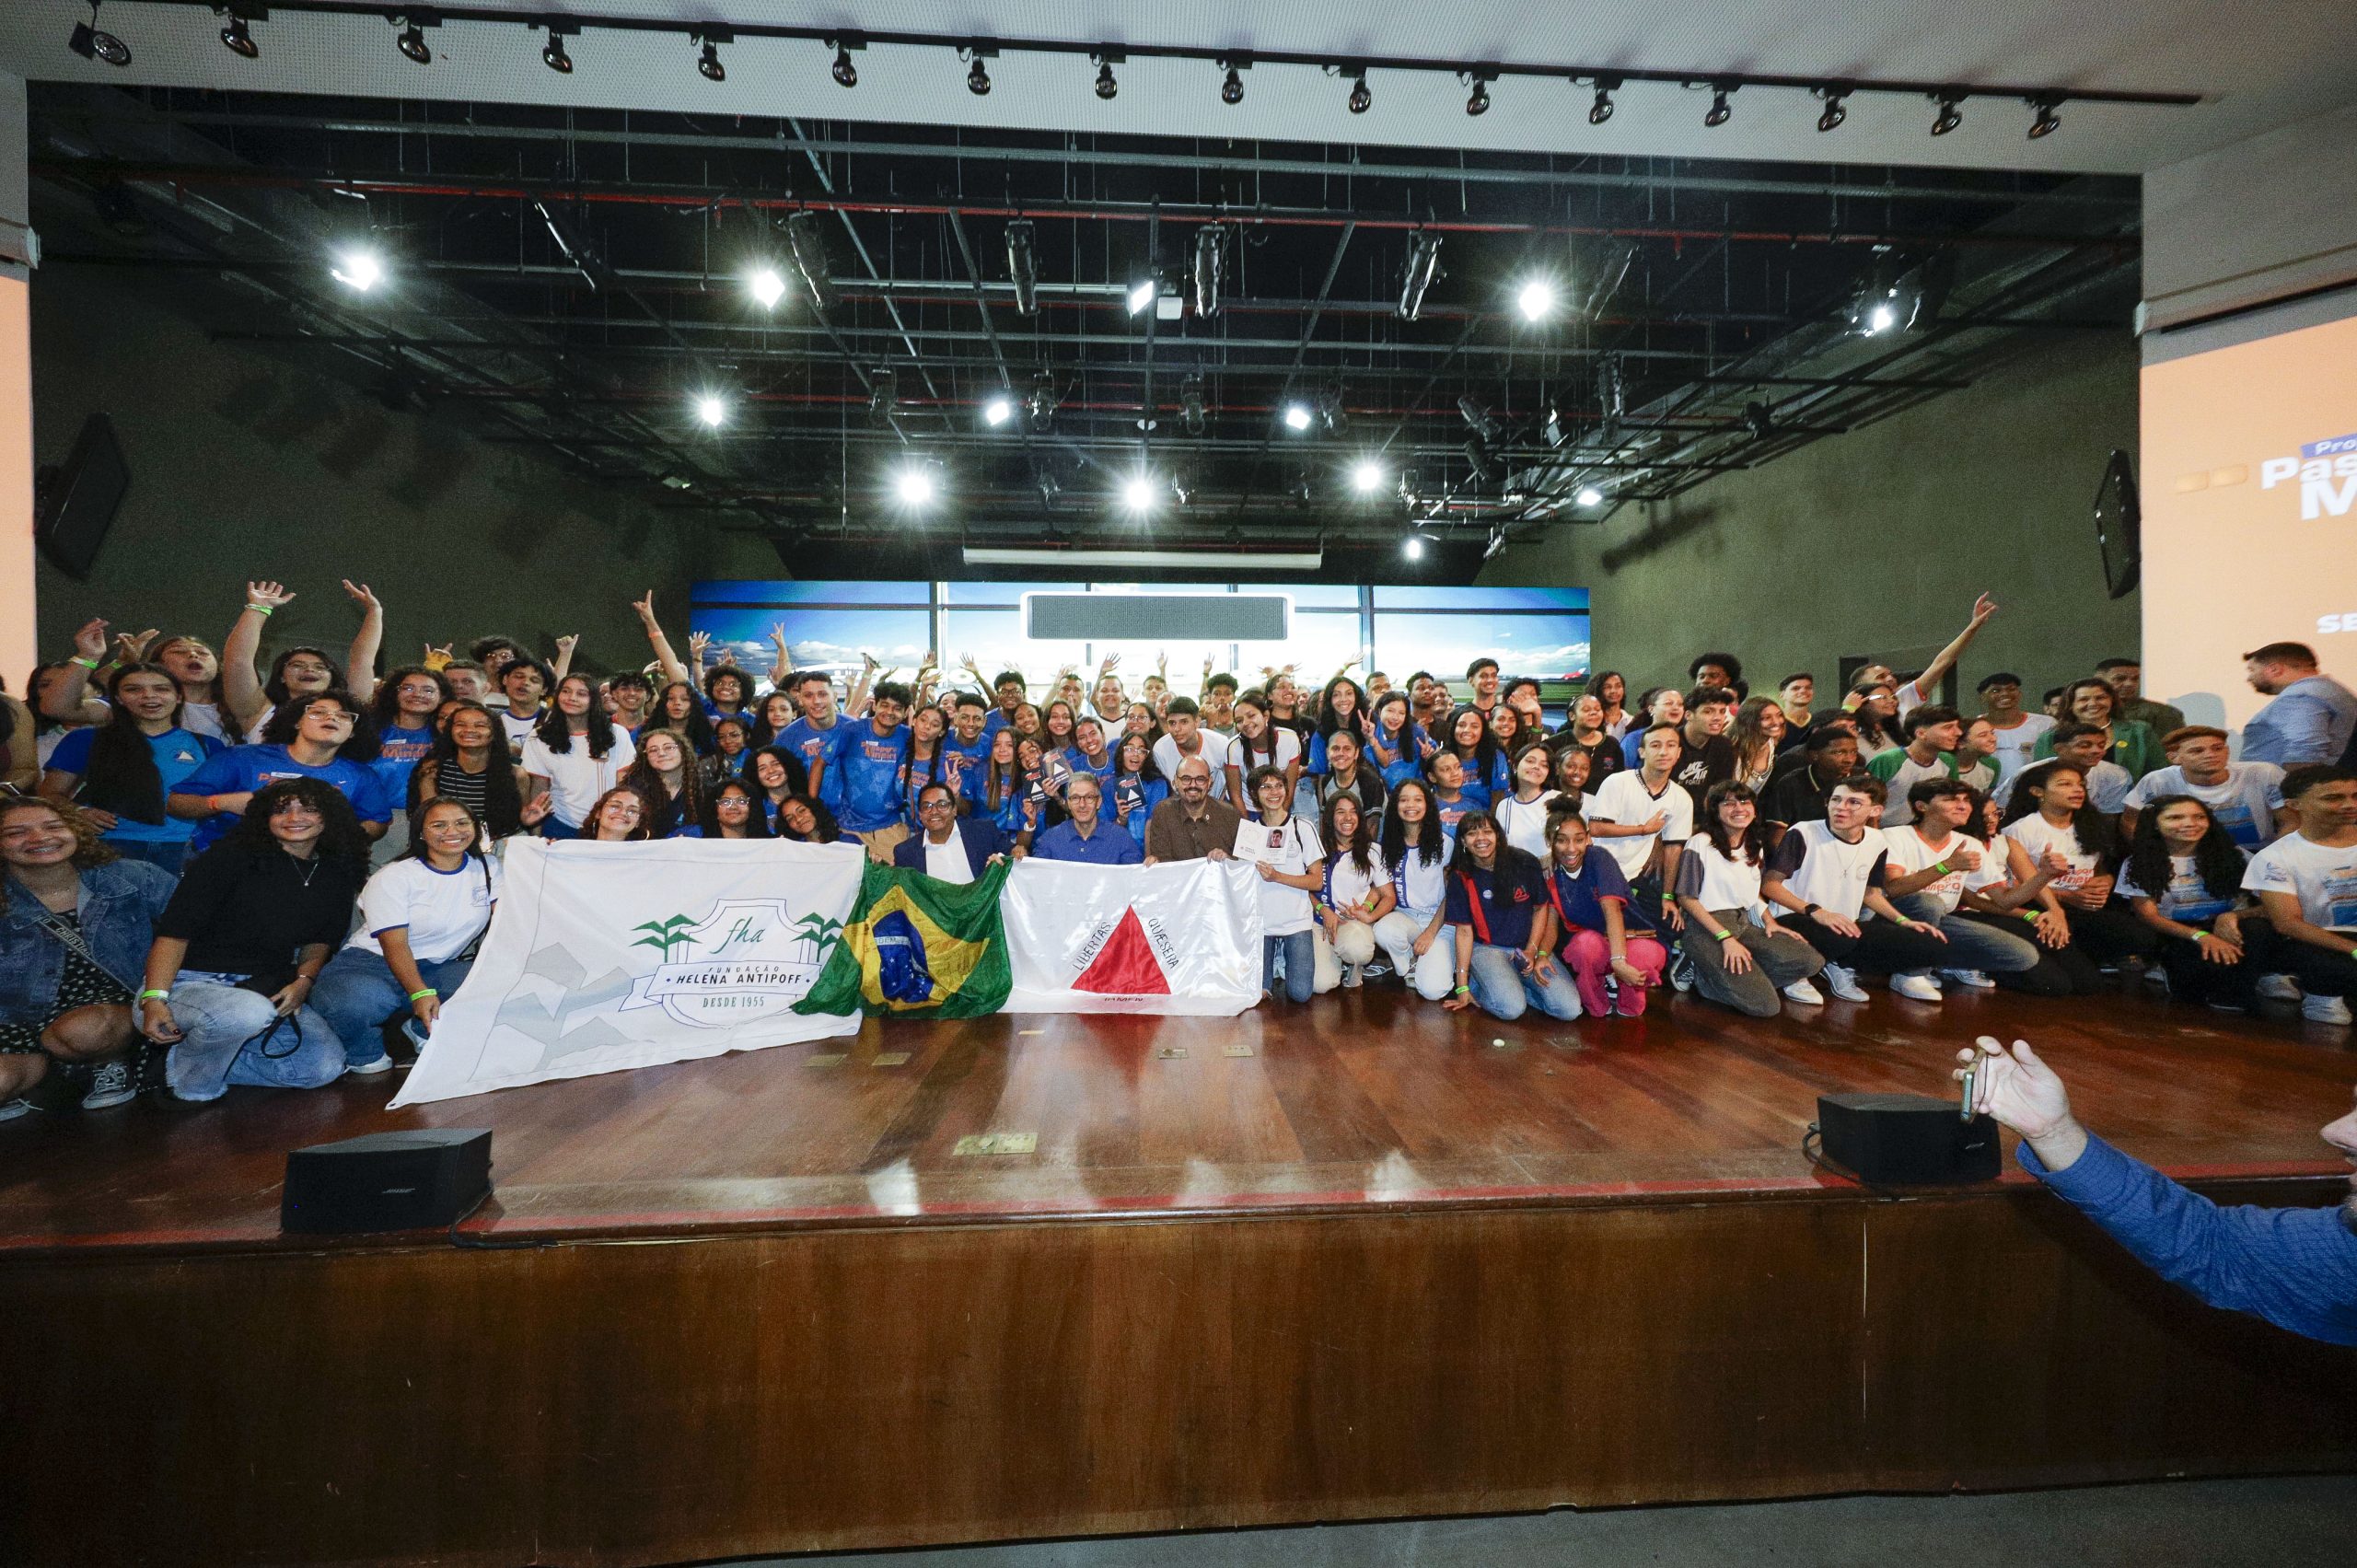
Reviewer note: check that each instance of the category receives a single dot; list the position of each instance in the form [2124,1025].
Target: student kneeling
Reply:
[1497,902]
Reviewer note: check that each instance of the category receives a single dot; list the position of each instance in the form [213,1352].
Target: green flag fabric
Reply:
[918,947]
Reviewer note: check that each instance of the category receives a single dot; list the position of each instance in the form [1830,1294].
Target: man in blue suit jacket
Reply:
[941,833]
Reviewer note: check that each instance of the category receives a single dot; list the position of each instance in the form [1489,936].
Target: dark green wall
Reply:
[1876,541]
[247,465]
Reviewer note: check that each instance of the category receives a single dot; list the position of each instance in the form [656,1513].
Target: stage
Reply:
[1051,1275]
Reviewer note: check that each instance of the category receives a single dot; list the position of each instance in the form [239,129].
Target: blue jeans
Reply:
[1503,988]
[357,992]
[1300,953]
[169,853]
[218,1022]
[1971,944]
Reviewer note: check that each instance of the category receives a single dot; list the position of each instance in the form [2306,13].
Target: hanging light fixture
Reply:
[1949,116]
[1835,113]
[234,36]
[2046,121]
[92,42]
[1600,110]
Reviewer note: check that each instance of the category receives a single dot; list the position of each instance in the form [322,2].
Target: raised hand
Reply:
[363,597]
[567,644]
[269,596]
[777,635]
[646,607]
[1982,609]
[868,661]
[535,810]
[2019,1089]
[1161,663]
[90,640]
[129,649]
[436,657]
[697,643]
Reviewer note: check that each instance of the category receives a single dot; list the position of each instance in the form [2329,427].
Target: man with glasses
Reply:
[1082,836]
[1190,825]
[947,847]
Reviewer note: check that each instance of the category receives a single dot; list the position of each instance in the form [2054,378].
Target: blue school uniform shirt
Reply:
[177,753]
[1471,797]
[1410,762]
[244,768]
[864,775]
[403,750]
[963,767]
[1507,905]
[810,743]
[1142,796]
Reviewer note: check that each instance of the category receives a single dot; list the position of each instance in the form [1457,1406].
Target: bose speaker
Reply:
[78,503]
[387,1180]
[1896,1140]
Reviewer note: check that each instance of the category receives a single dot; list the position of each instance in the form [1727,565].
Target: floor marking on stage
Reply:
[1172,1054]
[1567,1042]
[1237,1050]
[830,1059]
[998,1143]
[1030,1031]
[891,1059]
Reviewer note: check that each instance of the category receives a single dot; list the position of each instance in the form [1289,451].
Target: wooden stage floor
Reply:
[1356,1099]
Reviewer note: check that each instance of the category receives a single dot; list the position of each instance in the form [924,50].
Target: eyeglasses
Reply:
[931,806]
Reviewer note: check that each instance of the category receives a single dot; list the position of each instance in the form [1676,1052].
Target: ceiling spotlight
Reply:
[766,286]
[1366,476]
[1042,405]
[358,271]
[1589,495]
[1535,300]
[92,42]
[1107,88]
[1601,110]
[1478,103]
[1423,266]
[1140,492]
[914,485]
[1412,547]
[1231,90]
[1296,416]
[997,410]
[708,63]
[2046,121]
[553,56]
[1720,111]
[412,43]
[236,40]
[978,80]
[1834,111]
[1023,267]
[1881,318]
[1761,419]
[884,396]
[1361,98]
[846,74]
[1478,419]
[1142,295]
[1950,116]
[711,410]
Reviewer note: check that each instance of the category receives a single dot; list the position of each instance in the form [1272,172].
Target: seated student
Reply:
[1505,925]
[2307,882]
[2196,906]
[1940,875]
[620,816]
[229,976]
[1522,816]
[1184,737]
[1286,851]
[734,812]
[1136,786]
[1644,820]
[1084,836]
[1663,706]
[217,793]
[2050,818]
[1875,708]
[667,778]
[1395,746]
[1794,695]
[120,772]
[1357,895]
[421,917]
[1738,960]
[2131,745]
[804,819]
[1800,794]
[2245,798]
[1453,796]
[2082,745]
[946,846]
[1831,874]
[574,757]
[1415,936]
[1347,771]
[1612,966]
[1975,757]
[75,924]
[470,764]
[1933,730]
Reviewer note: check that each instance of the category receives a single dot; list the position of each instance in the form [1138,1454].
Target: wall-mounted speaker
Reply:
[73,510]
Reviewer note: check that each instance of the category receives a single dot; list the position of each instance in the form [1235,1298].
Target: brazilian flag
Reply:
[917,946]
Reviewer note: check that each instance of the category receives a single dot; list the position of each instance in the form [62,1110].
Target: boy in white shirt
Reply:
[2307,880]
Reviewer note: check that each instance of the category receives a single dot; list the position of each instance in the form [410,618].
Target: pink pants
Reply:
[1590,959]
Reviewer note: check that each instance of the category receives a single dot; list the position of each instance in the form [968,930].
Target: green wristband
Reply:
[154,996]
[2030,915]
[1724,936]
[427,990]
[1942,868]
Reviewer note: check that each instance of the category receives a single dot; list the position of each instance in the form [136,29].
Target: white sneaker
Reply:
[2278,987]
[1841,982]
[1805,994]
[1973,979]
[2316,1009]
[1351,981]
[12,1109]
[111,1084]
[1915,988]
[383,1064]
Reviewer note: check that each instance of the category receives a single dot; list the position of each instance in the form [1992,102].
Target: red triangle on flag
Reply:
[1125,966]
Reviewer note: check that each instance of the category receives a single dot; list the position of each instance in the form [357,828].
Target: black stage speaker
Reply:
[77,502]
[387,1180]
[1894,1140]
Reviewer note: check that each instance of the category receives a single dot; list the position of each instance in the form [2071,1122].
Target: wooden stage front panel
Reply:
[1379,1267]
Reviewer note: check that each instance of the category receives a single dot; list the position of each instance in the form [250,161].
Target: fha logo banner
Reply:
[2326,474]
[747,959]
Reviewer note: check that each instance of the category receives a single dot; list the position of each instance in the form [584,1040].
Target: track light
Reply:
[1412,547]
[1720,111]
[1833,93]
[1296,417]
[236,40]
[412,41]
[1881,317]
[1423,266]
[708,63]
[1140,493]
[711,410]
[806,234]
[766,286]
[978,80]
[1601,110]
[92,42]
[1190,404]
[846,74]
[1366,476]
[1361,98]
[2046,121]
[1535,300]
[914,485]
[1107,88]
[997,410]
[1231,90]
[1478,103]
[1950,116]
[1142,295]
[1589,495]
[1042,405]
[358,269]
[1761,419]
[1478,418]
[1211,249]
[553,56]
[1023,267]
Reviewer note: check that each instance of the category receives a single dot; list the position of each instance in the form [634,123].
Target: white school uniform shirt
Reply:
[2245,804]
[1623,799]
[1716,882]
[2036,835]
[1525,825]
[444,912]
[1283,910]
[1909,854]
[575,778]
[2014,745]
[1421,888]
[1166,758]
[1346,887]
[2324,879]
[1288,752]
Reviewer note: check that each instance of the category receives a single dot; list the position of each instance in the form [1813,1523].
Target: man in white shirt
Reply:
[1940,875]
[2245,798]
[1933,731]
[946,846]
[2083,746]
[1828,874]
[1643,817]
[2307,880]
[2017,728]
[1186,738]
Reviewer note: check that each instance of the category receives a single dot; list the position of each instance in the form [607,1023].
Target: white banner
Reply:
[1180,937]
[603,957]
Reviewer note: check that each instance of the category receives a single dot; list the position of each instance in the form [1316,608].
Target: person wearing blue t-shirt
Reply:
[121,771]
[403,707]
[1136,786]
[215,795]
[864,771]
[1081,836]
[1398,745]
[1453,796]
[1089,753]
[1010,689]
[966,751]
[814,735]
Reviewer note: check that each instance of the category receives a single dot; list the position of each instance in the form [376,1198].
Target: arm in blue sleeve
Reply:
[2304,724]
[2295,1268]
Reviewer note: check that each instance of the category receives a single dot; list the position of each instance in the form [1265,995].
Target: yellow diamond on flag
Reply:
[948,959]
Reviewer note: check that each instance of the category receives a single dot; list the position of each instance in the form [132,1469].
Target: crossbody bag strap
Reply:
[71,939]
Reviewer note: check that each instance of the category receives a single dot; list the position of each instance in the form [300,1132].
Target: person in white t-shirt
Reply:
[2246,798]
[2017,728]
[1643,817]
[1358,894]
[1831,876]
[1522,816]
[1415,936]
[2182,877]
[574,757]
[1185,737]
[1742,955]
[1939,874]
[1259,742]
[420,919]
[2052,820]
[1285,849]
[2307,882]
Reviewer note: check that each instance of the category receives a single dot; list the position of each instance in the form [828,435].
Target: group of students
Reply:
[182,882]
